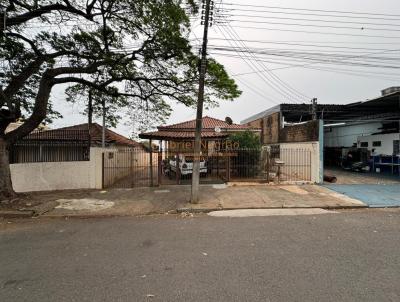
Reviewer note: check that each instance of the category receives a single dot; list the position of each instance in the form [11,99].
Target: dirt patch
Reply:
[20,202]
[35,200]
[294,189]
[85,204]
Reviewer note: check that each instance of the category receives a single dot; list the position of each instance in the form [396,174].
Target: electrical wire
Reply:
[327,58]
[300,43]
[314,10]
[250,64]
[305,66]
[309,25]
[230,10]
[227,16]
[317,32]
[286,90]
[286,86]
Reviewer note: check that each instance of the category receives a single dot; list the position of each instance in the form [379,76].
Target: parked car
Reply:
[186,165]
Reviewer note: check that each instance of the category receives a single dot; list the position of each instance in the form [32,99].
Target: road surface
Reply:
[349,256]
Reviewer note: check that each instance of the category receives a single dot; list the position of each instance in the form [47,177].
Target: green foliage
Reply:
[248,156]
[135,55]
[246,139]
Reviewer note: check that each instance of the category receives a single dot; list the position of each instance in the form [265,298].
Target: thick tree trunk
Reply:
[6,189]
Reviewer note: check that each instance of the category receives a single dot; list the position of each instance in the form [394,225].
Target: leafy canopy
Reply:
[136,55]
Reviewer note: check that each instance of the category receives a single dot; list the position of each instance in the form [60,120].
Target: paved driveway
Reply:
[380,195]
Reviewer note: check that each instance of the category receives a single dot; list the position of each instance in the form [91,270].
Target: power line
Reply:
[294,42]
[227,16]
[387,74]
[314,51]
[272,84]
[309,14]
[287,89]
[249,64]
[365,74]
[345,61]
[327,60]
[312,25]
[293,90]
[255,90]
[299,43]
[277,61]
[315,10]
[301,53]
[316,32]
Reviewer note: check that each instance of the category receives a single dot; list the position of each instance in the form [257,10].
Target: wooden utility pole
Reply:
[90,109]
[90,118]
[103,133]
[199,116]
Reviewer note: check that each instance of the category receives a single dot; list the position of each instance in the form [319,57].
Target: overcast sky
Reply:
[287,45]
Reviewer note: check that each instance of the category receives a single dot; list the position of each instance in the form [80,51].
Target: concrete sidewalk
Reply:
[172,199]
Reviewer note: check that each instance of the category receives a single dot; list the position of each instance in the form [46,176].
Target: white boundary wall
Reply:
[29,177]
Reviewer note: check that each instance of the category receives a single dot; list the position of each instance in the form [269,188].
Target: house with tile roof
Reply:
[66,144]
[112,139]
[80,133]
[213,130]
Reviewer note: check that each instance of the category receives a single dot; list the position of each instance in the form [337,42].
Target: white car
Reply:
[186,165]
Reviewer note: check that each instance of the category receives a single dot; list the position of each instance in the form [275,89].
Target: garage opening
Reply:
[361,143]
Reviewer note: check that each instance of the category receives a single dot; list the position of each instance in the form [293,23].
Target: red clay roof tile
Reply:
[77,132]
[208,123]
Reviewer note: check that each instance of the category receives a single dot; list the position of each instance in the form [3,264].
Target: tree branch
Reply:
[18,81]
[30,42]
[38,113]
[36,13]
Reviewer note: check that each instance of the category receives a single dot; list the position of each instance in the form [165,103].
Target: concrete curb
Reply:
[194,211]
[83,216]
[16,214]
[111,215]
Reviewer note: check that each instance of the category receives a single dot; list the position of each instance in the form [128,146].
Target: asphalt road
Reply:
[351,256]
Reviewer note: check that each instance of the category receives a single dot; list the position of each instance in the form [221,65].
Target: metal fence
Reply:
[52,146]
[133,167]
[287,165]
[129,168]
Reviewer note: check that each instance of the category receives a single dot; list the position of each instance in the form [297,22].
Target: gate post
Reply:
[151,164]
[159,167]
[228,168]
[102,170]
[268,156]
[178,170]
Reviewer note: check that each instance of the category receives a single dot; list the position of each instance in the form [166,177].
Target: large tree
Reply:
[137,54]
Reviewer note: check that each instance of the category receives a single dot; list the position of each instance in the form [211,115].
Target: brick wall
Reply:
[300,133]
[273,134]
[270,126]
